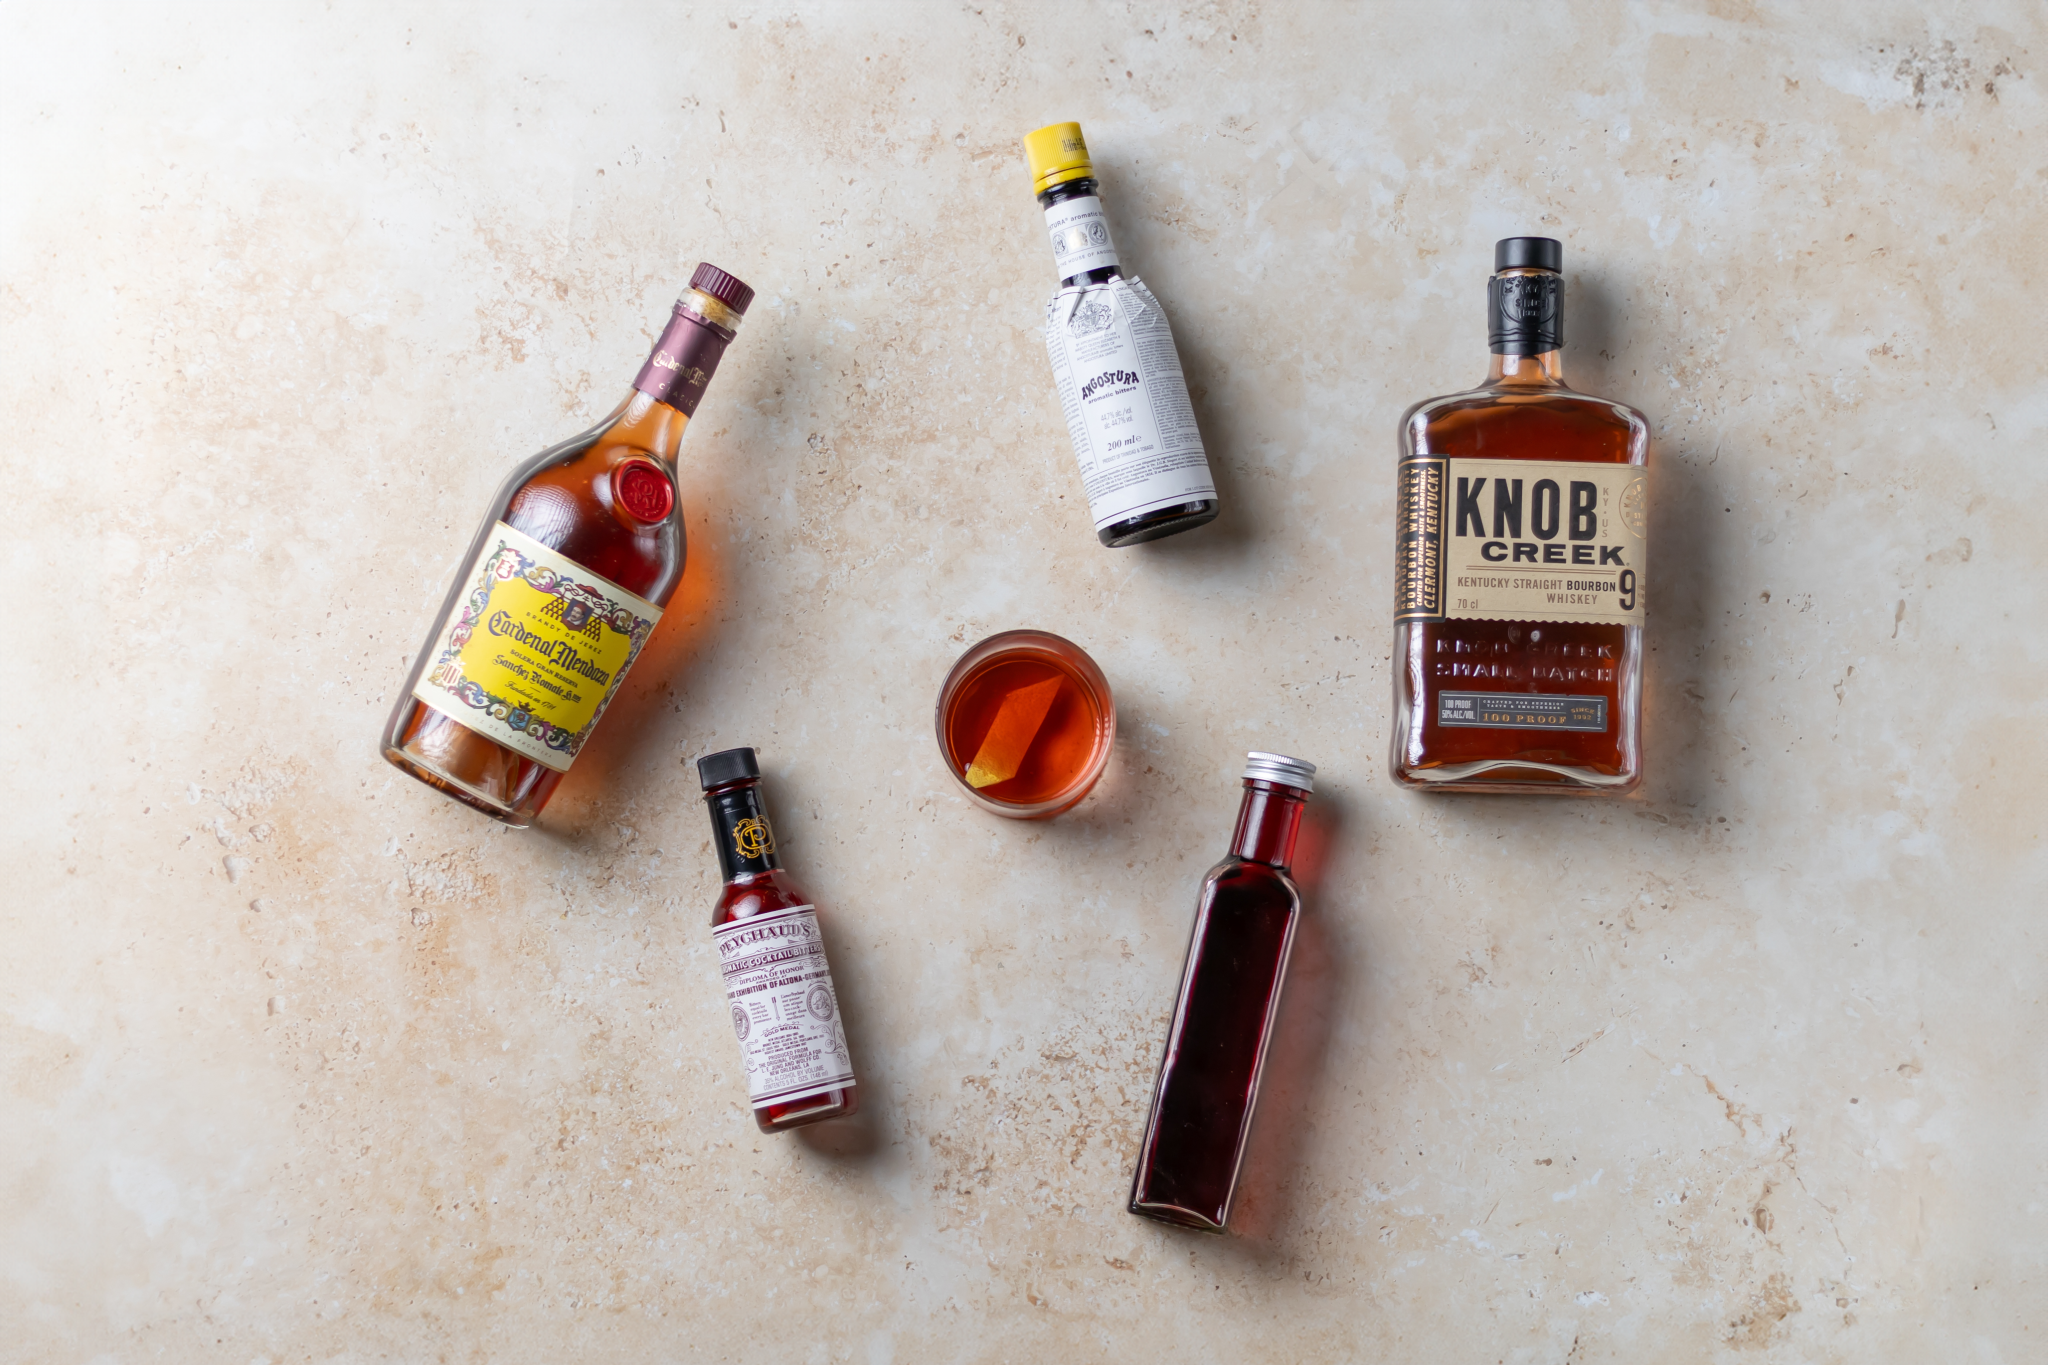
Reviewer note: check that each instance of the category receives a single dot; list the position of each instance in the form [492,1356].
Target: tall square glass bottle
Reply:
[1519,588]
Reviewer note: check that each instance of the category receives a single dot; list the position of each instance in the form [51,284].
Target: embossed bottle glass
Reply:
[581,549]
[1519,589]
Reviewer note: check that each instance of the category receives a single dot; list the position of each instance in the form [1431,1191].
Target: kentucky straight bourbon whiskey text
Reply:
[1519,575]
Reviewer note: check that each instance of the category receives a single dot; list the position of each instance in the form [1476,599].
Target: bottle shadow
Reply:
[1201,337]
[1686,528]
[859,1137]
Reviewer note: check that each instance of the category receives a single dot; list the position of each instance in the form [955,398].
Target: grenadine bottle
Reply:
[778,986]
[1208,1086]
[580,550]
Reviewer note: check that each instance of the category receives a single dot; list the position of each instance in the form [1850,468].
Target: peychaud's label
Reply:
[536,650]
[1519,540]
[784,1010]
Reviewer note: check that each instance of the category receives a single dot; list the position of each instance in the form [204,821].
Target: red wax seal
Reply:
[643,490]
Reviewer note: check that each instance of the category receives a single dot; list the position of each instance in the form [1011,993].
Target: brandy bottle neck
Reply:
[1267,822]
[687,355]
[650,425]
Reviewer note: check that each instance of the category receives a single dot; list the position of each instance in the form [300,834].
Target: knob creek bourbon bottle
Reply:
[579,552]
[1519,567]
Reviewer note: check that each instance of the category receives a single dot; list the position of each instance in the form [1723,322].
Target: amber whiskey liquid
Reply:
[562,585]
[1518,644]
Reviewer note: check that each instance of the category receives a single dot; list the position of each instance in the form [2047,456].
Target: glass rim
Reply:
[1024,642]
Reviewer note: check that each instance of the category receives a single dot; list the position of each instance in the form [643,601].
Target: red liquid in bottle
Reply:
[784,1006]
[1208,1088]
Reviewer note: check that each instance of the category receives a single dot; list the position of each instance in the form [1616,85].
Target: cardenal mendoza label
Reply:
[535,650]
[1126,401]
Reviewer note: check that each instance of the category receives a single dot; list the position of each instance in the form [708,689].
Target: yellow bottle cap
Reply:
[1057,154]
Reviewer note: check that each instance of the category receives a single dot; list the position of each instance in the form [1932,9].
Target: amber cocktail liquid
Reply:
[1026,722]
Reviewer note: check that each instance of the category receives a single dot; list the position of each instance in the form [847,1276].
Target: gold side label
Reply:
[536,650]
[1520,540]
[1419,540]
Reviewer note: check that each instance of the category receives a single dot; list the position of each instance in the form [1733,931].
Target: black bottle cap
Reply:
[727,765]
[1542,253]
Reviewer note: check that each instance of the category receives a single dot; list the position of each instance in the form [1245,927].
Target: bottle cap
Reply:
[729,290]
[1288,772]
[1540,253]
[727,765]
[1056,153]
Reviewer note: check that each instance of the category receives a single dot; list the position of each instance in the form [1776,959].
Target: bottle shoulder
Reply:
[1515,421]
[1240,882]
[757,893]
[564,498]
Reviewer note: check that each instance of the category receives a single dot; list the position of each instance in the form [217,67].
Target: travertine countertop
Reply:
[301,1062]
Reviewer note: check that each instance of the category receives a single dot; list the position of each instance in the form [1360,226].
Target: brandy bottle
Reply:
[1519,590]
[581,549]
[1202,1104]
[778,986]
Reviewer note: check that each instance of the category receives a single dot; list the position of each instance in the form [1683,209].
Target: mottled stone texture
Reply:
[301,1062]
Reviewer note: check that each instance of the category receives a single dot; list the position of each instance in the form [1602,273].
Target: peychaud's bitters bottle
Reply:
[578,554]
[1520,533]
[771,955]
[1114,362]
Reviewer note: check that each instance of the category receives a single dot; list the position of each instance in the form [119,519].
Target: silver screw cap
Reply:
[1292,772]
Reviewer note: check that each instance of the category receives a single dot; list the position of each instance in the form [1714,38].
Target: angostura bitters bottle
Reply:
[1114,363]
[1208,1087]
[1519,589]
[785,1010]
[580,551]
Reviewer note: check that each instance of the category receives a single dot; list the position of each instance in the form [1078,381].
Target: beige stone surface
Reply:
[302,1062]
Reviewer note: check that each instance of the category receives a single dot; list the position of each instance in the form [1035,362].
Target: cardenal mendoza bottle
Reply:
[1114,361]
[578,554]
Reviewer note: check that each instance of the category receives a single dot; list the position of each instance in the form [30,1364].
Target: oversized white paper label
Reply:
[1126,400]
[1080,236]
[783,1006]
